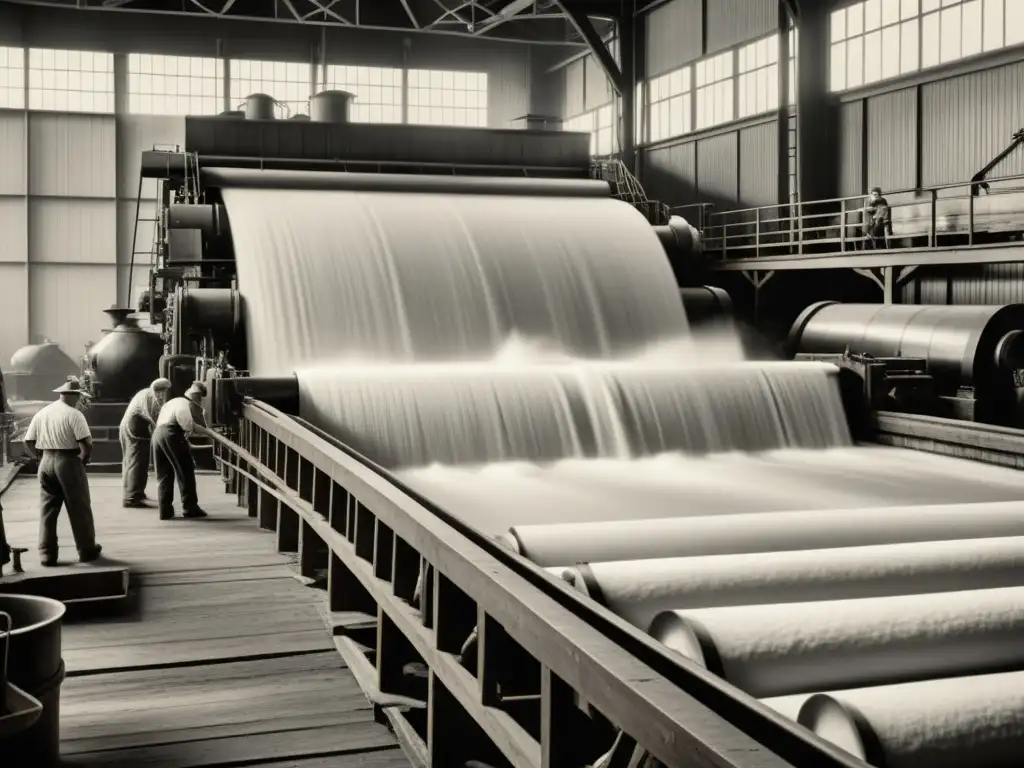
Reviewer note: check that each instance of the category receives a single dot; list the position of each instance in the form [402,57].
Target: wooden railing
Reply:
[543,654]
[931,217]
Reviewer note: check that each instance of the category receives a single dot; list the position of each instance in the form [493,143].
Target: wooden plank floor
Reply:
[222,658]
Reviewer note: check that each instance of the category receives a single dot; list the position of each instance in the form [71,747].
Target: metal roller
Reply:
[964,346]
[210,219]
[210,309]
[706,303]
[281,392]
[678,238]
[395,182]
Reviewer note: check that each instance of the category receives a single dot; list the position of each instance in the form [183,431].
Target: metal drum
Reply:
[331,106]
[259,106]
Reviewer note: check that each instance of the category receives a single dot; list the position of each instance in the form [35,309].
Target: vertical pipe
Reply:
[225,99]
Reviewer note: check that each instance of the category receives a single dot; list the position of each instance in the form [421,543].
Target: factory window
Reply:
[378,91]
[447,98]
[670,99]
[175,85]
[956,29]
[600,124]
[873,40]
[288,83]
[70,81]
[758,65]
[12,78]
[714,90]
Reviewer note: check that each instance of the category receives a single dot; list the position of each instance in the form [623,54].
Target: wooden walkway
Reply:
[223,658]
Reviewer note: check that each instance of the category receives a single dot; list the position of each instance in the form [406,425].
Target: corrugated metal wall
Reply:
[758,165]
[851,144]
[731,22]
[718,169]
[670,174]
[966,121]
[675,35]
[892,140]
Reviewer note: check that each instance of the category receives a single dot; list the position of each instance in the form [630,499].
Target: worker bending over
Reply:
[60,433]
[179,418]
[136,431]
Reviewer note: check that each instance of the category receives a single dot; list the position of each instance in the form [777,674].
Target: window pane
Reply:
[439,91]
[70,81]
[930,40]
[891,51]
[993,23]
[872,57]
[838,25]
[855,62]
[1014,25]
[837,67]
[197,88]
[909,47]
[872,15]
[971,31]
[378,91]
[12,78]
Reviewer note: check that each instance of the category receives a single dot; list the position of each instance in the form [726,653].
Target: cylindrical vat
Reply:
[215,309]
[705,304]
[975,721]
[780,650]
[638,590]
[126,360]
[331,106]
[568,543]
[36,667]
[205,217]
[959,342]
[260,106]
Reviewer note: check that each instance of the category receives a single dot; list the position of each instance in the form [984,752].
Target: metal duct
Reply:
[408,183]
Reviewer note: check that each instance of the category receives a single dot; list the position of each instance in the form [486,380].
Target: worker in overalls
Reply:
[135,433]
[60,438]
[877,220]
[179,418]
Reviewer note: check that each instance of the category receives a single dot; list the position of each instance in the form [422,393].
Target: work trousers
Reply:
[135,452]
[876,236]
[173,459]
[63,483]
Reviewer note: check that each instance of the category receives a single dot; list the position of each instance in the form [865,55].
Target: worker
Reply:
[179,418]
[877,219]
[60,433]
[135,433]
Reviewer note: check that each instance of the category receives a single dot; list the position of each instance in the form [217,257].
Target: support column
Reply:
[632,53]
[785,89]
[817,108]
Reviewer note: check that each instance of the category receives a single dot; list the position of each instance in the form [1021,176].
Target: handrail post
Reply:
[842,226]
[800,227]
[932,236]
[970,217]
[757,232]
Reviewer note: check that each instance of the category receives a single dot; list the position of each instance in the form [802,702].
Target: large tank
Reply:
[124,361]
[259,106]
[36,369]
[331,107]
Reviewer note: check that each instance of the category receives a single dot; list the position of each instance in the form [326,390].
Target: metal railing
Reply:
[930,217]
[542,651]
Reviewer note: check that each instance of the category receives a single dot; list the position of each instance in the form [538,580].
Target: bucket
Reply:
[36,667]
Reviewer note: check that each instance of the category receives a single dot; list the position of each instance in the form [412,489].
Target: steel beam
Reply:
[904,257]
[585,28]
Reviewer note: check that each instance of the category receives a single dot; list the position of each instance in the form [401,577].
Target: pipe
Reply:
[781,650]
[408,183]
[281,392]
[678,237]
[706,303]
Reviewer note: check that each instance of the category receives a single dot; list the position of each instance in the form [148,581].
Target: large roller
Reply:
[780,650]
[569,543]
[965,347]
[638,590]
[962,722]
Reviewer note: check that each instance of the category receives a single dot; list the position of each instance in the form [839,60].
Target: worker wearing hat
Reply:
[60,438]
[135,433]
[179,418]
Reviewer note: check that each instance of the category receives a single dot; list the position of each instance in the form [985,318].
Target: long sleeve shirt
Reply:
[58,427]
[183,413]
